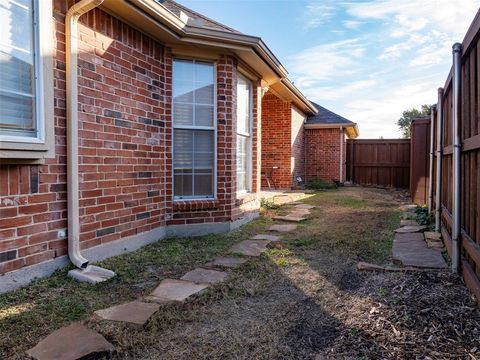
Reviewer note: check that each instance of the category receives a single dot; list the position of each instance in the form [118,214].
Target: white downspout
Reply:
[457,65]
[71,44]
[341,153]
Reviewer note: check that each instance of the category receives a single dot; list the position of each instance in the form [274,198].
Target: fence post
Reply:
[430,169]
[456,188]
[438,182]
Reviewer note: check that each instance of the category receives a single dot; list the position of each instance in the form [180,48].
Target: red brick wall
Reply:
[322,157]
[298,147]
[276,140]
[124,148]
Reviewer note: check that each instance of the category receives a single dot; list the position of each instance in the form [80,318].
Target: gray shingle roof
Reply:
[194,18]
[325,116]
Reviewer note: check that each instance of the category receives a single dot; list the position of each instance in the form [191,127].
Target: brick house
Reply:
[123,122]
[298,147]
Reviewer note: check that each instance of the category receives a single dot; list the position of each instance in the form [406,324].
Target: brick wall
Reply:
[124,149]
[322,158]
[298,147]
[276,140]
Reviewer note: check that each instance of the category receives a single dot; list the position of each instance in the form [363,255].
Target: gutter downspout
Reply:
[457,64]
[438,183]
[341,154]
[71,44]
[430,170]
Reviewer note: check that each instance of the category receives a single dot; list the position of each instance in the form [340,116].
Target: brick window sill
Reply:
[195,205]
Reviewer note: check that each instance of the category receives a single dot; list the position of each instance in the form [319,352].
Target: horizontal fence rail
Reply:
[379,162]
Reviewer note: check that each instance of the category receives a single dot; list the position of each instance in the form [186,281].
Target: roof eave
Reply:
[193,34]
[351,129]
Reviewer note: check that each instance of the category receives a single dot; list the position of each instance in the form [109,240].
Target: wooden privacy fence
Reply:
[419,160]
[379,162]
[460,99]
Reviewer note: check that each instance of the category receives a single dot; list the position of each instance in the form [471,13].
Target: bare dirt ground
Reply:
[305,301]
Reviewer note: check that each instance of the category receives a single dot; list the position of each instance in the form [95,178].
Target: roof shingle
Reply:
[325,116]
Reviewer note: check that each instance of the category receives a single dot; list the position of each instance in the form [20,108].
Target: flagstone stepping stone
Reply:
[408,222]
[411,229]
[250,247]
[432,235]
[205,276]
[291,218]
[283,228]
[135,312]
[266,237]
[175,290]
[305,206]
[410,249]
[70,343]
[229,262]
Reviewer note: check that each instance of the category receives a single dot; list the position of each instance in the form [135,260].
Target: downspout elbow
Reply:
[71,43]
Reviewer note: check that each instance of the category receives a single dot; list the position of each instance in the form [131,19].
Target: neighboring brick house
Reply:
[298,147]
[155,132]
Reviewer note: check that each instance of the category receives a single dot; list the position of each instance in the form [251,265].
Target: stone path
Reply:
[410,249]
[175,290]
[410,229]
[266,237]
[228,262]
[76,341]
[250,247]
[283,228]
[205,276]
[70,343]
[135,312]
[299,214]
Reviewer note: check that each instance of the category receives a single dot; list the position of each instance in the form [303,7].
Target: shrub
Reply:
[319,184]
[422,216]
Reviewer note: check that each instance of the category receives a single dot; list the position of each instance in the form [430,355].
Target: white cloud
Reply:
[316,14]
[322,93]
[327,61]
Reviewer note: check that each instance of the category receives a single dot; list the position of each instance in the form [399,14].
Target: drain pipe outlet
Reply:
[71,42]
[457,54]
[438,182]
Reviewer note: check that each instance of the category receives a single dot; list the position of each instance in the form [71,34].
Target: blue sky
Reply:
[366,60]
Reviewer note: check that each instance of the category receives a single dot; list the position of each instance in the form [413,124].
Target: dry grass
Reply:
[295,303]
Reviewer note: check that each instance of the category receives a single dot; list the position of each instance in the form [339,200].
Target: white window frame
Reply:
[17,148]
[200,128]
[249,138]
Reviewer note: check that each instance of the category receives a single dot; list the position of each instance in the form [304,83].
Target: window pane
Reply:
[204,93]
[17,100]
[204,72]
[204,115]
[243,105]
[203,185]
[183,91]
[194,155]
[183,185]
[182,114]
[183,70]
[242,163]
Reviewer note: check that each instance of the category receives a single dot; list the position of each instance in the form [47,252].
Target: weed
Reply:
[319,184]
[268,204]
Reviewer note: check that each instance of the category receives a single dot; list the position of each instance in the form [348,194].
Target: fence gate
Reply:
[379,162]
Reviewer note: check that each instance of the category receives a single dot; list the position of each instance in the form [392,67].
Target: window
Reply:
[193,129]
[26,84]
[18,116]
[244,139]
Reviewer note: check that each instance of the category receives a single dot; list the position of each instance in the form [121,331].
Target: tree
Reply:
[408,115]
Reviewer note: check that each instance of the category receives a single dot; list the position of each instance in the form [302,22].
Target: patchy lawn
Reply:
[302,301]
